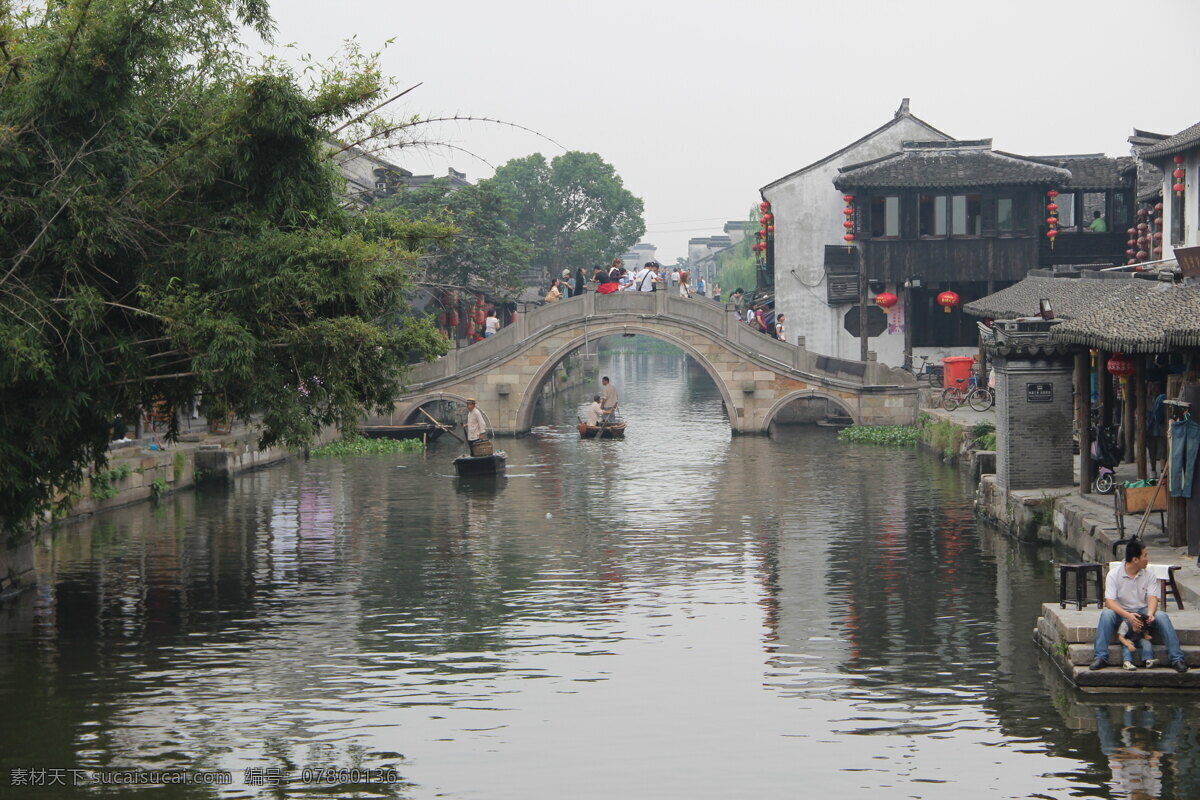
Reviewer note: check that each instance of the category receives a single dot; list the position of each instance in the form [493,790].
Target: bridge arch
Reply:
[530,395]
[756,376]
[805,394]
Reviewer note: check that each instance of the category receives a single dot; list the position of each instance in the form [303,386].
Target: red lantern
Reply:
[1143,226]
[764,205]
[1178,159]
[947,300]
[1158,222]
[1052,194]
[1142,255]
[1158,207]
[849,237]
[1051,221]
[1130,252]
[1052,234]
[1158,251]
[1143,212]
[849,198]
[847,211]
[1178,174]
[847,224]
[1132,231]
[1052,207]
[770,229]
[886,300]
[1121,365]
[1179,187]
[1157,236]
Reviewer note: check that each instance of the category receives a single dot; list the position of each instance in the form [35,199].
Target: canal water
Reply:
[683,614]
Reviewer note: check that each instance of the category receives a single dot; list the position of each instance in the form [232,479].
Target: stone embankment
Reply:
[145,470]
[1086,526]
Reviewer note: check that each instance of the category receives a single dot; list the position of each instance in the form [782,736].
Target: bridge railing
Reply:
[703,313]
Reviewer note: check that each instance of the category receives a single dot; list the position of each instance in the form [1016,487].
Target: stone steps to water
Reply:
[1067,636]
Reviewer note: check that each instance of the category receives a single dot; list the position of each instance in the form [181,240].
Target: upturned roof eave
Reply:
[819,162]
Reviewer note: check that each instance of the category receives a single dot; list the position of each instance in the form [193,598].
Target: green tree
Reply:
[574,211]
[737,266]
[481,250]
[169,228]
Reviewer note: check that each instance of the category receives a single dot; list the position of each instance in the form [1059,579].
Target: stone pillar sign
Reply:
[1034,412]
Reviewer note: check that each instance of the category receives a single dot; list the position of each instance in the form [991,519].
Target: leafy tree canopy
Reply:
[169,227]
[482,252]
[574,211]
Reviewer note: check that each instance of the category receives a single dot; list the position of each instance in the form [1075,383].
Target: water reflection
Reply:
[680,614]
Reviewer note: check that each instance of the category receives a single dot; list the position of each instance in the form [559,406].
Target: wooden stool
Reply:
[1170,588]
[1081,573]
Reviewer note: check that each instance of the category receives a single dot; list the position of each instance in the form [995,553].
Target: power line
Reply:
[681,221]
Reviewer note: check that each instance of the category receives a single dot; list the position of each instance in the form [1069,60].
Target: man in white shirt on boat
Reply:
[476,424]
[608,398]
[595,412]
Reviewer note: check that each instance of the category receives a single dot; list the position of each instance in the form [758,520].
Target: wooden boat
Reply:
[468,466]
[836,421]
[614,431]
[420,430]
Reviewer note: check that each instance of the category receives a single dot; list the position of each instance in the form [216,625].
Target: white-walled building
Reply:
[1181,210]
[808,218]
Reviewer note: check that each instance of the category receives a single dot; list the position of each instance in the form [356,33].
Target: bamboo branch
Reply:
[366,114]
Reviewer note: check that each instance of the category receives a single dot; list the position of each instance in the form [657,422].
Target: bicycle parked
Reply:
[956,395]
[931,373]
[982,398]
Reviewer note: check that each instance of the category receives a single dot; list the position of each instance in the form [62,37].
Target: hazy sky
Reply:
[698,104]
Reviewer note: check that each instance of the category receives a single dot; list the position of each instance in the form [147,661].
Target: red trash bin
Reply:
[956,367]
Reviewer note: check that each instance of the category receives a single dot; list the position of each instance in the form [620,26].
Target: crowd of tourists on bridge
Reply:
[652,277]
[759,313]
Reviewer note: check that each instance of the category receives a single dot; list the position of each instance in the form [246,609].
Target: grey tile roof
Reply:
[1158,319]
[1099,172]
[947,165]
[1186,139]
[1071,297]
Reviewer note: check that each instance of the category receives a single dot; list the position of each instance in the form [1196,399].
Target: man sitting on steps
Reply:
[1129,591]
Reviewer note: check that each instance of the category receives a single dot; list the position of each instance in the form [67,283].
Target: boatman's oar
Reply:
[446,428]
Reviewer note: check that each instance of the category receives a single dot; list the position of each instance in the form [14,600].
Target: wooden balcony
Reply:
[1083,248]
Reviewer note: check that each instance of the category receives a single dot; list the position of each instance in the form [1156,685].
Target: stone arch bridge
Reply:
[757,376]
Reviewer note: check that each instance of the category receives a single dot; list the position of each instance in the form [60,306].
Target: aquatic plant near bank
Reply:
[887,435]
[358,446]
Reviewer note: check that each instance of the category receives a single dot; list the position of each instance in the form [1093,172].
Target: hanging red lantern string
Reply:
[1051,220]
[849,223]
[1178,174]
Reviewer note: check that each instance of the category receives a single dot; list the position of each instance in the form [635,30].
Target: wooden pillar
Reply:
[862,306]
[908,323]
[1139,416]
[1104,390]
[1083,418]
[1128,389]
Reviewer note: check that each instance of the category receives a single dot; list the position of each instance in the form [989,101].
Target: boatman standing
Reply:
[608,398]
[476,424]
